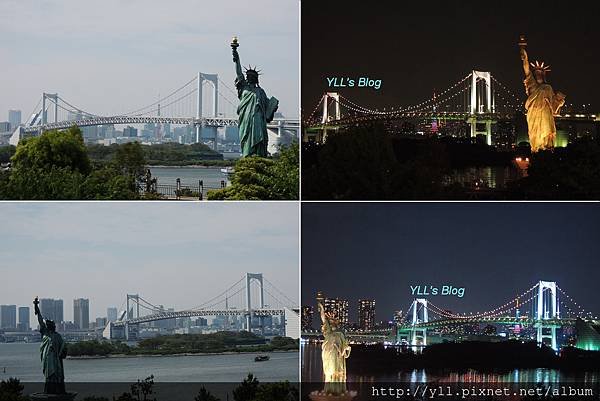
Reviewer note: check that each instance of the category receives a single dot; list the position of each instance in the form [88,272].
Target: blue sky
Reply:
[175,254]
[114,56]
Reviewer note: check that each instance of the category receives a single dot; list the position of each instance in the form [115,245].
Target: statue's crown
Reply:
[537,66]
[252,70]
[332,318]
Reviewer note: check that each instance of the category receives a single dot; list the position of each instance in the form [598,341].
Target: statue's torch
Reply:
[522,42]
[234,43]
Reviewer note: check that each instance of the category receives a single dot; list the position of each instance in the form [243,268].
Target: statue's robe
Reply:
[541,105]
[52,352]
[334,351]
[254,111]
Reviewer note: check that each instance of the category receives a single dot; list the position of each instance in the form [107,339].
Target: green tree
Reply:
[258,178]
[247,390]
[205,395]
[12,390]
[282,391]
[6,152]
[43,184]
[355,164]
[107,183]
[130,160]
[53,149]
[285,181]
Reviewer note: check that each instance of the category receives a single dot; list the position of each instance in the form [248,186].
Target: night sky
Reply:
[494,250]
[417,47]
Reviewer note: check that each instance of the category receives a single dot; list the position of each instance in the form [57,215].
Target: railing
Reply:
[185,191]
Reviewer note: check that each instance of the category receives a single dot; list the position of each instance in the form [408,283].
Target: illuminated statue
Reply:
[334,352]
[542,103]
[255,109]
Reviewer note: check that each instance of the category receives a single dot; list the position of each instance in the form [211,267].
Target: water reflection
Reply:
[489,177]
[312,372]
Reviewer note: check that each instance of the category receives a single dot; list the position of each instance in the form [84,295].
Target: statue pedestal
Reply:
[52,397]
[322,396]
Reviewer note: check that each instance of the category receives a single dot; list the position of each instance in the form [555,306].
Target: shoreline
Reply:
[198,166]
[84,357]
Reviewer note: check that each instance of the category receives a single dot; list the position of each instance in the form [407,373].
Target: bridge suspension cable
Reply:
[291,303]
[77,108]
[581,311]
[203,305]
[161,99]
[493,312]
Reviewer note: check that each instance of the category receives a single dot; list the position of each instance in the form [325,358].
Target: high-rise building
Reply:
[231,134]
[101,322]
[14,118]
[24,324]
[366,314]
[130,132]
[52,309]
[4,126]
[111,314]
[8,316]
[398,316]
[81,313]
[307,317]
[338,308]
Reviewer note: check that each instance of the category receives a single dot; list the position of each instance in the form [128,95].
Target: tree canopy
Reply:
[258,178]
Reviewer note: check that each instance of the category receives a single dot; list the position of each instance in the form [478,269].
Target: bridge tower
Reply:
[335,97]
[335,105]
[547,309]
[482,102]
[201,131]
[53,97]
[417,333]
[256,277]
[130,313]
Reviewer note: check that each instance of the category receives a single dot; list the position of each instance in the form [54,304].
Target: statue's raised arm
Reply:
[326,325]
[524,55]
[236,58]
[36,308]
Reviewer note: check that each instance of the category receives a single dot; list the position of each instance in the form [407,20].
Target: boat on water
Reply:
[227,171]
[261,358]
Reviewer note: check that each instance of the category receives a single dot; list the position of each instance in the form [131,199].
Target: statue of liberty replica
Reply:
[335,349]
[255,109]
[542,102]
[52,352]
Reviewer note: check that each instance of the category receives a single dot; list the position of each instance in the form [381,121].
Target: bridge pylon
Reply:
[331,100]
[131,313]
[419,334]
[201,131]
[53,97]
[482,102]
[253,277]
[547,308]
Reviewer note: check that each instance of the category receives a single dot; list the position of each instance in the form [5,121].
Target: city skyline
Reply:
[493,251]
[417,49]
[102,252]
[120,56]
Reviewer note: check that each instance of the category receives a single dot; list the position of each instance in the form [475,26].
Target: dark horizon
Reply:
[418,48]
[494,250]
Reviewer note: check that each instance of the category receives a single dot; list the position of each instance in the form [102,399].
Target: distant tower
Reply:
[482,103]
[416,333]
[434,122]
[547,310]
[158,126]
